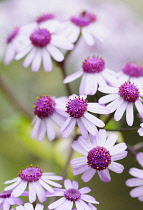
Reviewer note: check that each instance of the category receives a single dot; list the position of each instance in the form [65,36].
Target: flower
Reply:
[41,41]
[47,112]
[29,206]
[85,23]
[140,130]
[122,99]
[136,182]
[100,155]
[36,180]
[134,73]
[94,73]
[7,200]
[77,108]
[73,196]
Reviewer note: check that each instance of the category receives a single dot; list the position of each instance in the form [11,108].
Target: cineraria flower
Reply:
[85,23]
[140,130]
[100,155]
[94,73]
[122,99]
[136,182]
[132,72]
[41,42]
[47,113]
[29,206]
[36,180]
[73,196]
[77,108]
[7,200]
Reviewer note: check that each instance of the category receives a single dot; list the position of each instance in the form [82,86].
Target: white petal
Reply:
[32,192]
[39,207]
[73,77]
[116,167]
[78,162]
[129,114]
[36,63]
[50,129]
[101,137]
[10,54]
[36,127]
[139,158]
[120,111]
[87,35]
[82,85]
[138,191]
[40,192]
[80,170]
[84,190]
[87,175]
[29,58]
[97,108]
[89,199]
[118,148]
[46,186]
[89,126]
[55,53]
[136,172]
[111,141]
[67,131]
[94,120]
[119,156]
[58,119]
[42,130]
[115,104]
[47,61]
[57,203]
[78,148]
[12,185]
[24,52]
[82,129]
[108,98]
[19,189]
[104,175]
[78,205]
[134,182]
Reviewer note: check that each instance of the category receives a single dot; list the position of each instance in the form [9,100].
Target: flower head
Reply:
[77,108]
[100,156]
[123,98]
[94,73]
[33,178]
[136,182]
[46,113]
[72,196]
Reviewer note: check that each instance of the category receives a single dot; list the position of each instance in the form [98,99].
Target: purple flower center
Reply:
[133,70]
[99,158]
[30,174]
[72,194]
[83,19]
[44,107]
[41,37]
[44,17]
[93,65]
[5,194]
[76,107]
[13,34]
[129,92]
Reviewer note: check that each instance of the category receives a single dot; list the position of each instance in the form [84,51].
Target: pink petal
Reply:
[104,175]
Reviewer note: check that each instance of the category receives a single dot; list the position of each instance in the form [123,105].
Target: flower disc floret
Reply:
[99,158]
[72,194]
[13,35]
[76,107]
[30,174]
[44,107]
[133,70]
[5,194]
[44,17]
[83,19]
[93,65]
[129,92]
[40,37]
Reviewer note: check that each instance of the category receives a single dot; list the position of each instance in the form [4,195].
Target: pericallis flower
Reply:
[47,113]
[72,196]
[94,73]
[41,42]
[100,155]
[136,182]
[134,73]
[33,178]
[7,200]
[122,99]
[77,108]
[29,206]
[87,24]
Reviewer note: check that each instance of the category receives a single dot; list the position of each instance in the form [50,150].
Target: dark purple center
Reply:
[5,194]
[40,37]
[133,70]
[76,107]
[129,92]
[83,19]
[93,65]
[13,34]
[44,17]
[72,194]
[44,107]
[99,158]
[30,174]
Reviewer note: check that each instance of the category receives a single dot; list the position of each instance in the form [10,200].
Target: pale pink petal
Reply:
[119,156]
[89,81]
[82,85]
[140,131]
[19,189]
[111,141]
[11,181]
[101,81]
[94,120]
[46,186]
[51,182]
[78,205]
[101,137]
[78,148]
[116,167]
[84,190]
[87,175]
[84,205]
[108,89]
[136,192]
[61,42]
[50,129]
[118,148]
[36,63]
[115,104]
[68,184]
[86,145]
[139,107]
[29,58]
[32,192]
[80,170]
[129,114]
[28,206]
[19,208]
[120,111]
[75,184]
[139,158]
[58,119]
[40,192]
[97,108]
[133,182]
[64,205]
[82,129]
[55,53]
[89,126]
[36,127]
[104,175]
[12,185]
[39,207]
[136,172]
[78,162]
[67,122]
[10,54]
[89,198]
[47,61]
[87,35]
[24,52]
[67,131]
[73,76]
[42,130]
[108,98]
[57,203]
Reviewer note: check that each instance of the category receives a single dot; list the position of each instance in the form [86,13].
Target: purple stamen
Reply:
[40,37]
[72,194]
[83,19]
[93,65]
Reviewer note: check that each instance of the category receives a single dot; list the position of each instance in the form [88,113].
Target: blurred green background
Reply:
[18,150]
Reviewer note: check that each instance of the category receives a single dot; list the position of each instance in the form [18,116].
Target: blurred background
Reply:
[124,43]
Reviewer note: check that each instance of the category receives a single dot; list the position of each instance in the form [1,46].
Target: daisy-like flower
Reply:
[132,72]
[77,108]
[29,206]
[136,182]
[94,73]
[41,42]
[36,180]
[122,99]
[7,200]
[47,113]
[72,196]
[100,155]
[140,130]
[87,24]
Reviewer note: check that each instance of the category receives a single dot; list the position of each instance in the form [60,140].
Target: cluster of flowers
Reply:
[39,41]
